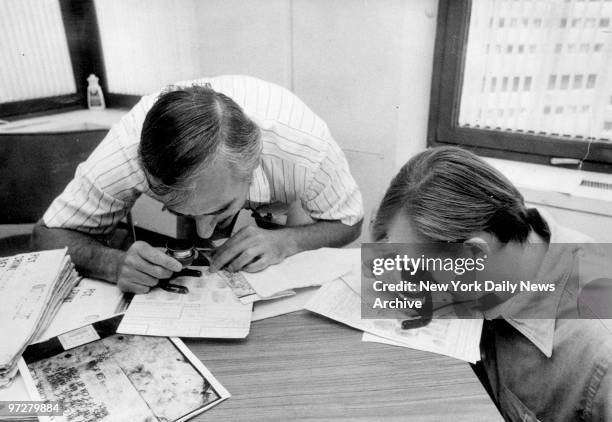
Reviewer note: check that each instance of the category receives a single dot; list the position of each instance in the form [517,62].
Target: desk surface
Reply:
[302,366]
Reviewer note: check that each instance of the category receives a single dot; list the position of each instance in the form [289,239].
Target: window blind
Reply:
[33,51]
[539,66]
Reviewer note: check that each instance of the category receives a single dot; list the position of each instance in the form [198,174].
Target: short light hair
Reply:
[449,194]
[188,129]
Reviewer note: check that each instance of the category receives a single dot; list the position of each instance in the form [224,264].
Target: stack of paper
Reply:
[287,287]
[91,300]
[32,288]
[220,305]
[458,338]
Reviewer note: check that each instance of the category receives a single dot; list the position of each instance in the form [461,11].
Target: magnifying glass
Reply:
[184,251]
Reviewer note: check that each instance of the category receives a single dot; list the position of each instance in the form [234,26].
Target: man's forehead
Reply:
[211,195]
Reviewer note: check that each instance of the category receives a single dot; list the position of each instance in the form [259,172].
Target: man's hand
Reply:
[252,249]
[142,268]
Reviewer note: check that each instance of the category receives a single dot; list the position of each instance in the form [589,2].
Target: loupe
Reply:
[183,251]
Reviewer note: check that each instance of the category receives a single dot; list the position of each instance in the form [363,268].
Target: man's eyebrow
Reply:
[165,208]
[219,211]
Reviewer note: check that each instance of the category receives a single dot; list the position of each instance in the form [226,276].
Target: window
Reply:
[58,47]
[37,69]
[577,82]
[69,39]
[565,81]
[563,95]
[39,61]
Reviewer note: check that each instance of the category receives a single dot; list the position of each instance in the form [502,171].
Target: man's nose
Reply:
[205,226]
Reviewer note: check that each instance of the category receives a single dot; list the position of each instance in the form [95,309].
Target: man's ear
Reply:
[478,246]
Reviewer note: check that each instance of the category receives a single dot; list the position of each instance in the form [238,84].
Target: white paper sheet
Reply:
[271,308]
[17,391]
[210,309]
[256,298]
[457,338]
[91,300]
[306,269]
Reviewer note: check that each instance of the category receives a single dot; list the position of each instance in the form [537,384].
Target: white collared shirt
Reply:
[299,161]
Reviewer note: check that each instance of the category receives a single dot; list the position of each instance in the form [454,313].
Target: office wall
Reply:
[366,66]
[363,66]
[150,43]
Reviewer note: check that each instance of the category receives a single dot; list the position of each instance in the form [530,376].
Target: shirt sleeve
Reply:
[107,184]
[332,193]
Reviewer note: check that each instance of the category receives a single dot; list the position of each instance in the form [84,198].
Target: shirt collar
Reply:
[556,268]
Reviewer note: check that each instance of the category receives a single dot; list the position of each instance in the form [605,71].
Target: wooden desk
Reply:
[302,366]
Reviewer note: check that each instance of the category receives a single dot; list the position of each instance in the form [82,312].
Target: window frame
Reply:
[443,128]
[86,57]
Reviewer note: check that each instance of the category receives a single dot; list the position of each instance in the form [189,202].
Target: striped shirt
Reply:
[300,161]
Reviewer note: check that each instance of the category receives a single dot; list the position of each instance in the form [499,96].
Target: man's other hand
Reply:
[252,249]
[142,268]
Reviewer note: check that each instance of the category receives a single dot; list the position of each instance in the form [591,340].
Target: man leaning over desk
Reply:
[206,149]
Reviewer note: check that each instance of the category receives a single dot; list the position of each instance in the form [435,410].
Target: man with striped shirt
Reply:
[206,149]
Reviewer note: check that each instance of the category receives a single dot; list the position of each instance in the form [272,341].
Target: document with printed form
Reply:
[209,310]
[457,338]
[91,300]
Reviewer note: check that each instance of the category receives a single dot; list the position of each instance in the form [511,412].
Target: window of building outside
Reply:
[526,76]
[34,50]
[49,48]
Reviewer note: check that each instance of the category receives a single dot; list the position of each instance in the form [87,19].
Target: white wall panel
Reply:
[347,67]
[148,44]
